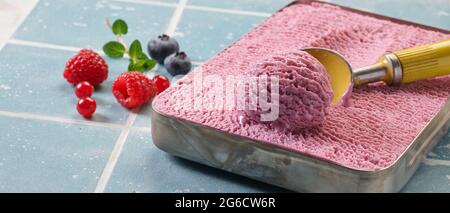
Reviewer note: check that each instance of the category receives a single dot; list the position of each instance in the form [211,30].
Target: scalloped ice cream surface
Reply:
[370,134]
[303,96]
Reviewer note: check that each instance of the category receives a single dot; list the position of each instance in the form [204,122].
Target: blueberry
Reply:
[177,64]
[161,47]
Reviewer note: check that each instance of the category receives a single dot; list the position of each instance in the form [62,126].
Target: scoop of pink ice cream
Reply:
[304,90]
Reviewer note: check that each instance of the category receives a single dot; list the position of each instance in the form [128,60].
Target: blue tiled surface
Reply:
[52,156]
[429,12]
[84,26]
[442,149]
[144,168]
[204,34]
[31,81]
[433,177]
[38,156]
[430,178]
[143,119]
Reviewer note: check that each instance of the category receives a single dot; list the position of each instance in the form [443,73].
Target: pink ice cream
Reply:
[304,90]
[368,135]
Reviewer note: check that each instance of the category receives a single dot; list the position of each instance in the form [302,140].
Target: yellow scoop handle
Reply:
[409,65]
[396,68]
[425,61]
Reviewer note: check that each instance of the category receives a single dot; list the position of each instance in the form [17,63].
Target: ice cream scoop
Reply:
[304,92]
[401,67]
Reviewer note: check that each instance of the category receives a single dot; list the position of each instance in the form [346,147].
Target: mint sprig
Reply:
[135,50]
[114,49]
[139,61]
[120,27]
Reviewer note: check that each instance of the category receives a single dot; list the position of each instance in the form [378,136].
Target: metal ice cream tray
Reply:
[286,168]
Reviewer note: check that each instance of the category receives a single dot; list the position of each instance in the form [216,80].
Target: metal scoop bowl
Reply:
[339,71]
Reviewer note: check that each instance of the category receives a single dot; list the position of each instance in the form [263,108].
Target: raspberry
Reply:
[84,89]
[86,107]
[132,89]
[86,65]
[161,83]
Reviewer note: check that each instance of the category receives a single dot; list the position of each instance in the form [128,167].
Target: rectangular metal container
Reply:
[289,169]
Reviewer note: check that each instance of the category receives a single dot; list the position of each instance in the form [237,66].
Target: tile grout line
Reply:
[118,147]
[26,115]
[57,119]
[146,2]
[176,17]
[18,24]
[436,162]
[197,7]
[45,45]
[115,154]
[60,47]
[229,11]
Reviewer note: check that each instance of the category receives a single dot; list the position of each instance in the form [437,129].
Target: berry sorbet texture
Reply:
[370,134]
[304,91]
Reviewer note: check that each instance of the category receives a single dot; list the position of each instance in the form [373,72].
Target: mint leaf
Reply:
[138,66]
[142,56]
[120,27]
[141,65]
[135,50]
[139,61]
[149,64]
[114,49]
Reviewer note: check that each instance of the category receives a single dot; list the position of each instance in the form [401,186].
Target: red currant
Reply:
[84,89]
[161,83]
[86,107]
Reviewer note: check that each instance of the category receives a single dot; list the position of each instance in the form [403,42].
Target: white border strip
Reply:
[118,147]
[19,23]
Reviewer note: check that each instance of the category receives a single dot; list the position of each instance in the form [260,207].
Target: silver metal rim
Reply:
[396,68]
